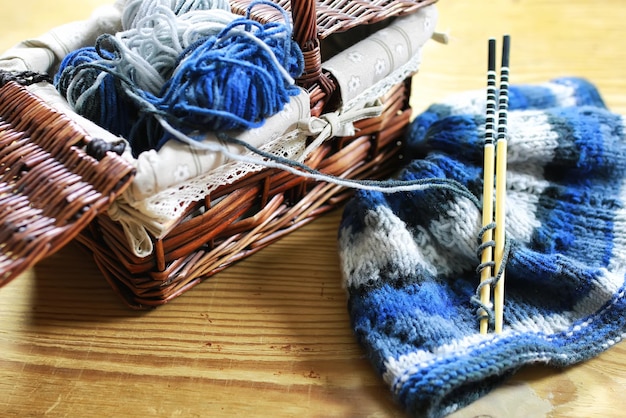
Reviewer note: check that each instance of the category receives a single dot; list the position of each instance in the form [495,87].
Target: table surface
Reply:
[271,335]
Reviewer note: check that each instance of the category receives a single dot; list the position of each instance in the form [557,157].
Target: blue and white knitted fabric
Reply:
[409,259]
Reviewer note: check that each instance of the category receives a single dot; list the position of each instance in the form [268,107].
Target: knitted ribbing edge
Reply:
[409,258]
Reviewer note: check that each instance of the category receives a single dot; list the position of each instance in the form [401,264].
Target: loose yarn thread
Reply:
[269,160]
[25,78]
[486,310]
[223,71]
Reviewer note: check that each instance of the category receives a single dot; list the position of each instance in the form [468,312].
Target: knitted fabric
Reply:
[409,259]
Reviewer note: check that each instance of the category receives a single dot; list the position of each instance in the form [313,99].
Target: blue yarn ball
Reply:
[232,82]
[84,80]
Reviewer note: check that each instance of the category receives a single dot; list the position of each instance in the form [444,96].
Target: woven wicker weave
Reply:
[50,189]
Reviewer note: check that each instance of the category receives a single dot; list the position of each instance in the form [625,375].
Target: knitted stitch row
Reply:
[409,258]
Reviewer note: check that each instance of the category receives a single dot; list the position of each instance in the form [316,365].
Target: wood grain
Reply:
[271,336]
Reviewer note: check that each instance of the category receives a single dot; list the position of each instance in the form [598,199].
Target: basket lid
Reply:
[332,16]
[50,186]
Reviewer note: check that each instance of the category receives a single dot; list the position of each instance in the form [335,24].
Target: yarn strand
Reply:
[269,160]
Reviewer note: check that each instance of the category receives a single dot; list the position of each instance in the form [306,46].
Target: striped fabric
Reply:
[409,259]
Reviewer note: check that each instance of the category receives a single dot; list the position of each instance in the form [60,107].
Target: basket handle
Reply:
[303,13]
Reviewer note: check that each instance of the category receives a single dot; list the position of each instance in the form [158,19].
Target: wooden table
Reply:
[271,336]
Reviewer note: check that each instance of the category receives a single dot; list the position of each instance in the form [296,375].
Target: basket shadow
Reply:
[69,284]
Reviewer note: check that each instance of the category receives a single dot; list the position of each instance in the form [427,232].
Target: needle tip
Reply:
[506,47]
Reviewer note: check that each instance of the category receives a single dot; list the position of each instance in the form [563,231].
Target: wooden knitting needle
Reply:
[501,157]
[488,184]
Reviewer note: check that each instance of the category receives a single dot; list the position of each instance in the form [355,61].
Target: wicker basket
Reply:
[52,190]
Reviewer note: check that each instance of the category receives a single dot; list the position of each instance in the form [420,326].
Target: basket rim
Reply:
[334,16]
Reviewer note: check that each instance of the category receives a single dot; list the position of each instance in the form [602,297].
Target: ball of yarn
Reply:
[235,80]
[86,81]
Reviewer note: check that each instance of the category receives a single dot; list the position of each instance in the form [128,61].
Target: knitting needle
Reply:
[488,185]
[501,157]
